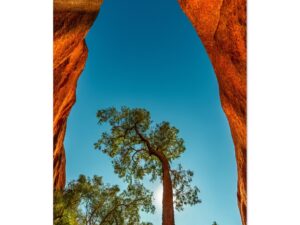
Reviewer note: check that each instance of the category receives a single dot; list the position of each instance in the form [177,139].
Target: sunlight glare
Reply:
[158,196]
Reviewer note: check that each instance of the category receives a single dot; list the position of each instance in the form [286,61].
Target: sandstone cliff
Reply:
[221,26]
[72,21]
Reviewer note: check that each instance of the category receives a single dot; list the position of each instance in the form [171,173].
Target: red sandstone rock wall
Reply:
[221,26]
[72,21]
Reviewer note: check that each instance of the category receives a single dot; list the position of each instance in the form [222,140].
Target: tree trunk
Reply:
[167,204]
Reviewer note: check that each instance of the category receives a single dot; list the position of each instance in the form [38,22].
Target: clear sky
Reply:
[145,53]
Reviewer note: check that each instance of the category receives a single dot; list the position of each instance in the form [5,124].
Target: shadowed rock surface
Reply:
[72,21]
[221,26]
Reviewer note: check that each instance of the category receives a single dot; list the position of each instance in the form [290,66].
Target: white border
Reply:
[273,112]
[26,112]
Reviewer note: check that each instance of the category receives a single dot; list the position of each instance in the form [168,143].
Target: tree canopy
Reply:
[139,148]
[128,146]
[91,202]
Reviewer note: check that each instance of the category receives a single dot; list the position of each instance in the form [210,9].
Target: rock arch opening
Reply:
[221,25]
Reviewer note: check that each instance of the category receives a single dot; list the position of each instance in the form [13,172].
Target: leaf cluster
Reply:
[91,202]
[184,193]
[133,142]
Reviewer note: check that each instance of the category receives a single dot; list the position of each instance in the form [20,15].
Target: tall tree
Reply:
[139,148]
[214,223]
[90,202]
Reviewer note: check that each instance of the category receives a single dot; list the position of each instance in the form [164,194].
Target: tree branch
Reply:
[117,206]
[158,154]
[136,152]
[145,140]
[94,211]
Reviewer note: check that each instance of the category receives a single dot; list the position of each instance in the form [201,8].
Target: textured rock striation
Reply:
[72,21]
[221,26]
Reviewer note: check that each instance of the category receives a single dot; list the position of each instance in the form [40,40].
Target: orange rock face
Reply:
[221,26]
[72,21]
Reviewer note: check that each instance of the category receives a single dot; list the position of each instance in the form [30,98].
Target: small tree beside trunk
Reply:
[91,202]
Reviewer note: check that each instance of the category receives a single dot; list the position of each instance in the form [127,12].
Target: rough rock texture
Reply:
[221,26]
[72,21]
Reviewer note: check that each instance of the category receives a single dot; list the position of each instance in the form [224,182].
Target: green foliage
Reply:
[131,156]
[90,202]
[138,148]
[214,223]
[184,193]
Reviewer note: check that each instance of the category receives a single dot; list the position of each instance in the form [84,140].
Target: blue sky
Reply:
[146,54]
